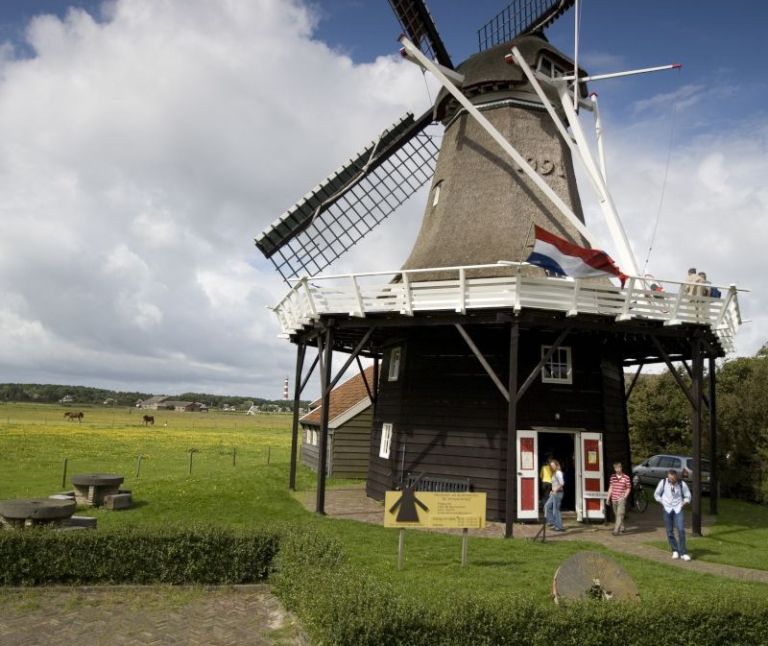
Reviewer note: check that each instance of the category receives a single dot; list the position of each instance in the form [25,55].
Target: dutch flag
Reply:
[562,258]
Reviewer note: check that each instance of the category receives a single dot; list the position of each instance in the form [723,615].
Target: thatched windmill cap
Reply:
[488,74]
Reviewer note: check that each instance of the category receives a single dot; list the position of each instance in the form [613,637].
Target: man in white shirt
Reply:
[673,495]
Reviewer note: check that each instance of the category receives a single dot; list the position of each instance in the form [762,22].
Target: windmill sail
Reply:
[357,197]
[520,17]
[417,23]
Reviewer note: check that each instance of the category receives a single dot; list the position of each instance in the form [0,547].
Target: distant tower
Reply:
[285,389]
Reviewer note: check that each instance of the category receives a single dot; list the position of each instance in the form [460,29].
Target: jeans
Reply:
[619,509]
[552,510]
[674,520]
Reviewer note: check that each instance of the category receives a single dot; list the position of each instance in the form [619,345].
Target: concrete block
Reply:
[82,521]
[118,501]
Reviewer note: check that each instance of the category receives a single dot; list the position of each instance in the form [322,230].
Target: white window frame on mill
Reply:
[386,440]
[436,193]
[395,356]
[548,67]
[552,371]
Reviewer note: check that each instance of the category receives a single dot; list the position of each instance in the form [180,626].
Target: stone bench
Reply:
[118,501]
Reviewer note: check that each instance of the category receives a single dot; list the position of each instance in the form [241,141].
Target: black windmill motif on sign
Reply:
[406,504]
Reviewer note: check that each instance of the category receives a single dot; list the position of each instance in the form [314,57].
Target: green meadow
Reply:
[252,492]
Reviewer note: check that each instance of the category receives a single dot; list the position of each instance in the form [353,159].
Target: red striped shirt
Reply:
[619,485]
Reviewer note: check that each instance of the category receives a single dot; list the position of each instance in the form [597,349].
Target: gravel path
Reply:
[117,615]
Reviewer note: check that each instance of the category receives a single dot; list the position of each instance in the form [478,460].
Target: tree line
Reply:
[660,422]
[87,395]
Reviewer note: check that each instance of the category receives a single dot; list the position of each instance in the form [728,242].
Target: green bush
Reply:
[175,556]
[339,604]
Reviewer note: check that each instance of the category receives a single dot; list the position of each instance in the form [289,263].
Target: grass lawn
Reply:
[34,440]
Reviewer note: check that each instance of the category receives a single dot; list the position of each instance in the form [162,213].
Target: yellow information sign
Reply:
[432,509]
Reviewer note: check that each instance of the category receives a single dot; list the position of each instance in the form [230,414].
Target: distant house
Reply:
[153,403]
[163,402]
[350,419]
[67,399]
[183,406]
[252,410]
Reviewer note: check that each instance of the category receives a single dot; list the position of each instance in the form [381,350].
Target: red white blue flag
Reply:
[562,258]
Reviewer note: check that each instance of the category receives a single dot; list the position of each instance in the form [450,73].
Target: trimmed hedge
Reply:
[338,604]
[175,556]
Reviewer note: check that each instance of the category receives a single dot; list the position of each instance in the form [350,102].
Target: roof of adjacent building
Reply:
[155,399]
[349,397]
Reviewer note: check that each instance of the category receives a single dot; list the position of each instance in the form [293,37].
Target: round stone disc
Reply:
[37,508]
[97,479]
[591,575]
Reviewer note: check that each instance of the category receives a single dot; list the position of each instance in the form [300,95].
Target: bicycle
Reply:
[639,497]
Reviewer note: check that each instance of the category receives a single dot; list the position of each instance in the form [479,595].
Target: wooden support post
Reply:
[352,357]
[325,390]
[138,466]
[714,480]
[696,391]
[634,381]
[375,378]
[234,456]
[511,501]
[400,548]
[464,546]
[64,475]
[300,354]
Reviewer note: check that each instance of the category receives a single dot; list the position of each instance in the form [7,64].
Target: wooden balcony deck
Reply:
[362,294]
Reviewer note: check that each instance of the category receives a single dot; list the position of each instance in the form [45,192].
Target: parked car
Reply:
[655,468]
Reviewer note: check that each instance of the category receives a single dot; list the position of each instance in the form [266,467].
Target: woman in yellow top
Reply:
[545,478]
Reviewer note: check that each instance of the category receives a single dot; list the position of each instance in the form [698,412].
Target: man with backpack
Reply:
[674,494]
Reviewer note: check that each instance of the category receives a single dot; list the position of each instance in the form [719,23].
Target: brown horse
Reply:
[72,416]
[149,419]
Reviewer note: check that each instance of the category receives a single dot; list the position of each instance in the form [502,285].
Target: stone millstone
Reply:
[37,509]
[591,575]
[97,479]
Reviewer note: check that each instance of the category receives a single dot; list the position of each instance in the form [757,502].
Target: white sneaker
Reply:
[685,557]
[675,555]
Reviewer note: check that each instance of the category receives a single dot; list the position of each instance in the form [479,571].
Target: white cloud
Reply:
[714,213]
[141,153]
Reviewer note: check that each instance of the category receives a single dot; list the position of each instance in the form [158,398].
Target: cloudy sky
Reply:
[145,143]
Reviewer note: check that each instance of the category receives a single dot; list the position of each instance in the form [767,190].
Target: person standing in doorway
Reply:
[673,494]
[552,506]
[618,491]
[545,478]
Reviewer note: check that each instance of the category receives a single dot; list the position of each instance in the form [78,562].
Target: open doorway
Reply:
[561,447]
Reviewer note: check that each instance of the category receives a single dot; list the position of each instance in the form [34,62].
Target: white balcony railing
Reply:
[374,292]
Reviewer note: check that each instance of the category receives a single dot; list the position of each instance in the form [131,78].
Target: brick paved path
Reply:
[352,503]
[144,615]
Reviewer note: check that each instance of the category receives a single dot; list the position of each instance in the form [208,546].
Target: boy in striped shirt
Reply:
[618,492]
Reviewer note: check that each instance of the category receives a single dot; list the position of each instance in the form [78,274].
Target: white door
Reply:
[592,476]
[527,475]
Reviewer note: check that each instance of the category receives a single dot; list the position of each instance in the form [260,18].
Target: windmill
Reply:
[489,363]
